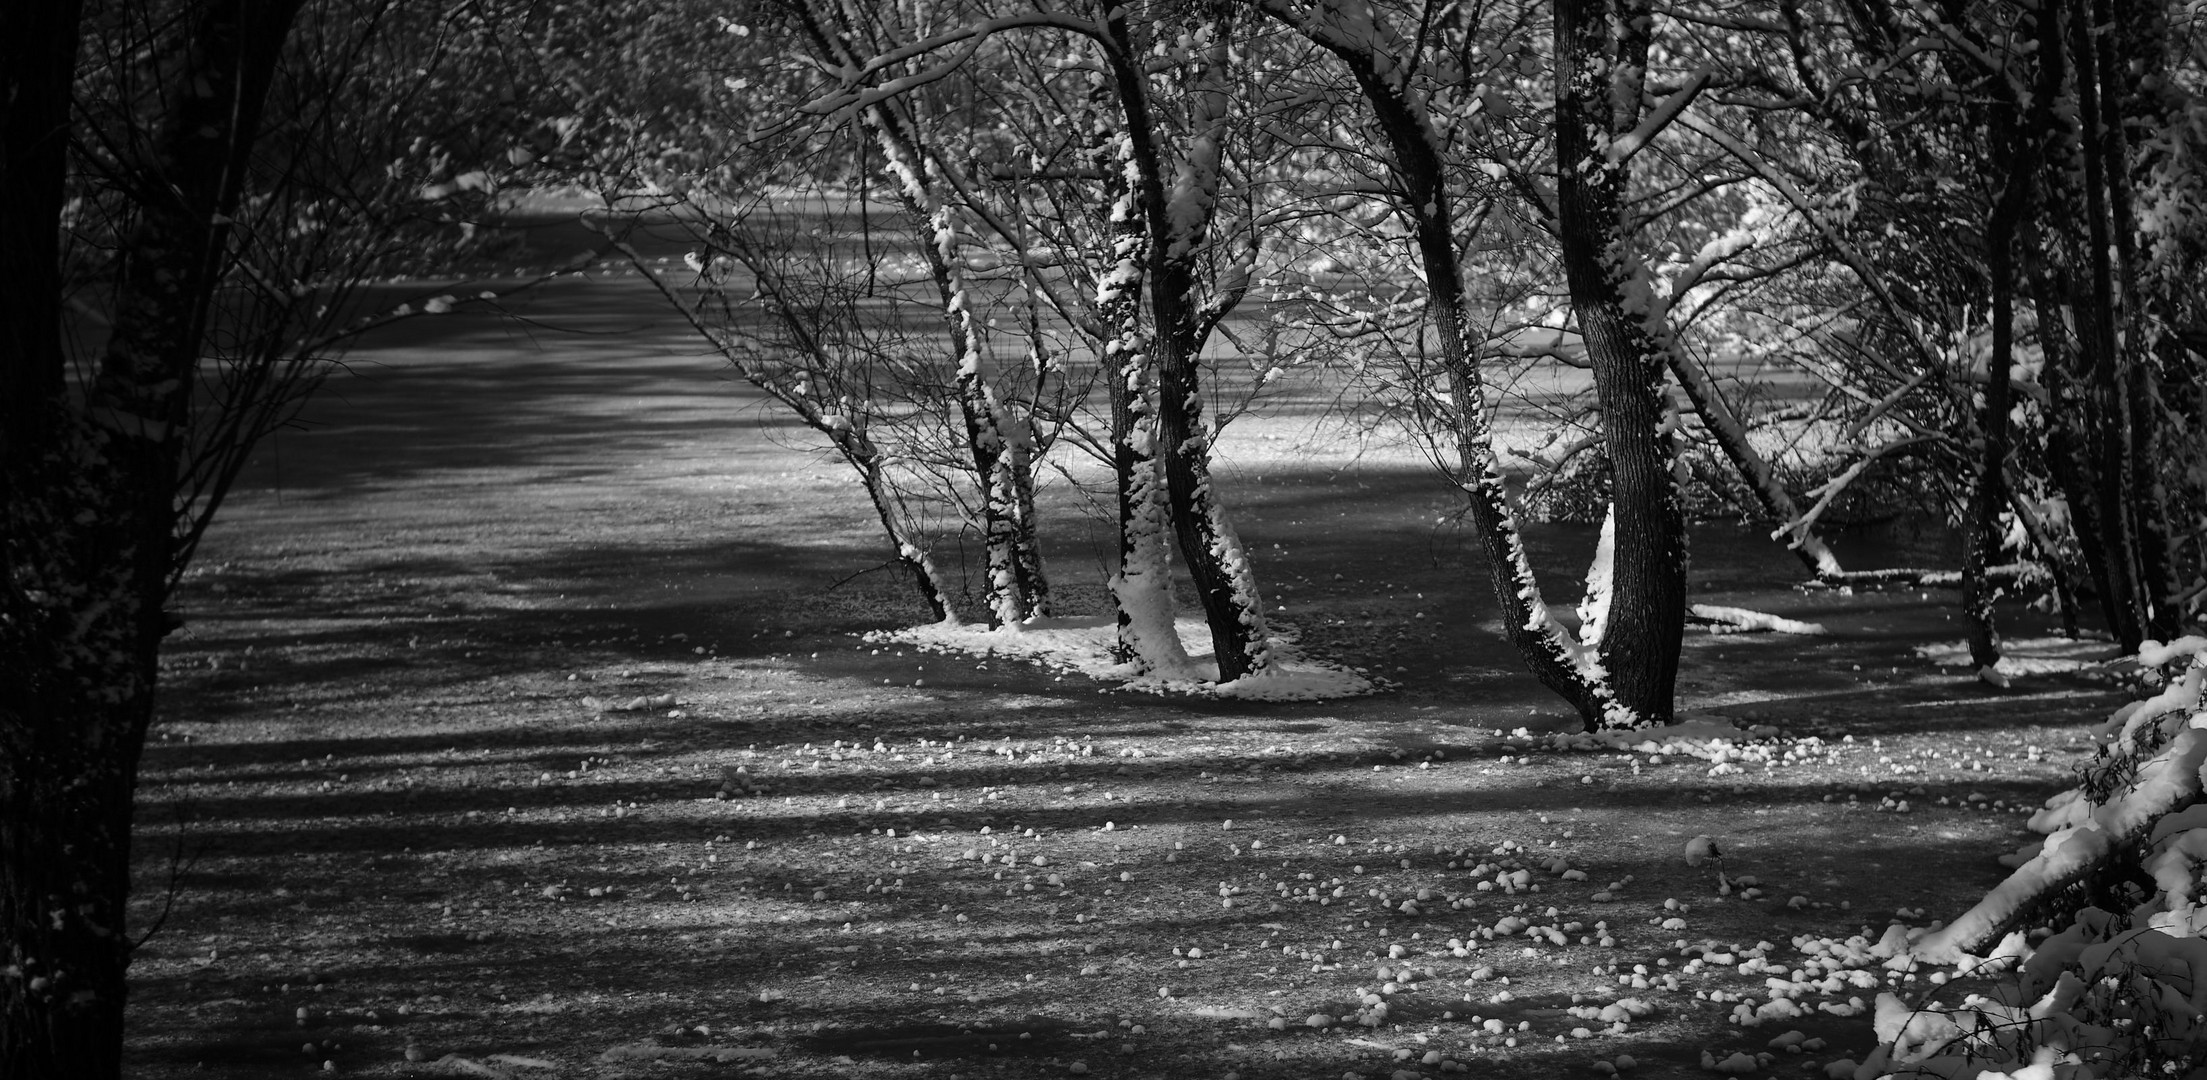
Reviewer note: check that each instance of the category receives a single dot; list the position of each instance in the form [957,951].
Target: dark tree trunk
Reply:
[2100,319]
[1224,581]
[38,52]
[2115,27]
[1991,493]
[2069,426]
[1597,41]
[87,541]
[1553,658]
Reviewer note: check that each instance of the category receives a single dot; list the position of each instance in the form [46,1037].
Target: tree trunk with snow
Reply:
[1016,590]
[1364,45]
[1142,584]
[911,552]
[1178,222]
[87,524]
[1601,57]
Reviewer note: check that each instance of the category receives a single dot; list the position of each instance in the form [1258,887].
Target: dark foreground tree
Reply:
[189,193]
[89,472]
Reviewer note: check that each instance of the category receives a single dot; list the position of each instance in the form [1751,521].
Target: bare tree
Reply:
[1175,179]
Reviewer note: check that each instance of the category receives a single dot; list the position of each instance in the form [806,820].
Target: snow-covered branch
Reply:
[1622,148]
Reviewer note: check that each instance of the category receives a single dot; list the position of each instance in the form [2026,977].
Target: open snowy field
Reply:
[535,716]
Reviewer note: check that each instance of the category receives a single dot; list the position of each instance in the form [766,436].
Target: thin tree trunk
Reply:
[1011,580]
[2107,389]
[1601,47]
[1991,494]
[911,553]
[1026,533]
[2068,440]
[2112,31]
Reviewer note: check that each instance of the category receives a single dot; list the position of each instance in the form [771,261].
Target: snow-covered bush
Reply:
[2121,989]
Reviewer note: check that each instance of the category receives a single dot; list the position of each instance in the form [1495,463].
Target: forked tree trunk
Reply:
[1142,584]
[1601,56]
[87,523]
[1177,224]
[1014,586]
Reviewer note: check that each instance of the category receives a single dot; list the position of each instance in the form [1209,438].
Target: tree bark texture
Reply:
[1552,655]
[1142,585]
[1601,54]
[1014,585]
[1178,222]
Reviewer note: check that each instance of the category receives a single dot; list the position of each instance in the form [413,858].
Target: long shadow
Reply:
[505,816]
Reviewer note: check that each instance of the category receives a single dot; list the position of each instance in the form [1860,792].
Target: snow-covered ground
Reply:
[1083,645]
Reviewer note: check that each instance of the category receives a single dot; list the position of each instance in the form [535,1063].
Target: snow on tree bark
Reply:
[1178,225]
[1365,45]
[1731,438]
[1142,585]
[1601,56]
[1016,590]
[1601,575]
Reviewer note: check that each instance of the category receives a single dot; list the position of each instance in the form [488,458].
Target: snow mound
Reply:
[2029,656]
[1083,645]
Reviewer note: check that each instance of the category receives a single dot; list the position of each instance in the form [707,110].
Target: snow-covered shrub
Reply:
[2095,1000]
[2121,990]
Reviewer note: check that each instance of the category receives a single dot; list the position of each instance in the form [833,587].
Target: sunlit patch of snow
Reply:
[2029,656]
[1083,644]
